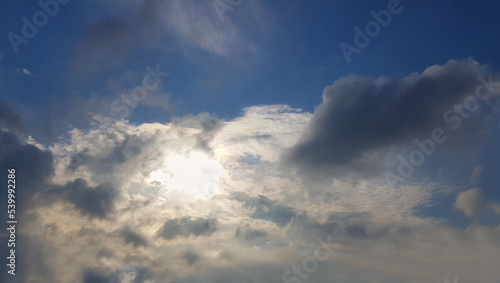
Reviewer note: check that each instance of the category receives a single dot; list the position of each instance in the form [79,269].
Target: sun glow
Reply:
[196,175]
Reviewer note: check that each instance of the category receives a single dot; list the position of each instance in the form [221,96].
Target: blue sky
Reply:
[297,52]
[259,102]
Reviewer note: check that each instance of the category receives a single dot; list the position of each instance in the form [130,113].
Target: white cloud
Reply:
[495,207]
[23,71]
[266,217]
[470,202]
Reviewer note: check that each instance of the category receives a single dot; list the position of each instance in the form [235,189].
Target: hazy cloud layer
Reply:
[154,25]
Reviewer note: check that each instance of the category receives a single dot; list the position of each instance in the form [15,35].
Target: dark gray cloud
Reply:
[97,276]
[134,238]
[117,155]
[250,234]
[125,146]
[85,232]
[264,208]
[8,118]
[104,253]
[208,124]
[92,201]
[361,118]
[203,121]
[106,275]
[186,226]
[345,229]
[142,275]
[73,111]
[34,167]
[31,260]
[191,258]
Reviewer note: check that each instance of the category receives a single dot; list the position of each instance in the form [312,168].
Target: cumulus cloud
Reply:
[208,124]
[250,234]
[34,165]
[470,202]
[362,119]
[264,208]
[185,227]
[473,204]
[134,238]
[143,224]
[95,202]
[96,276]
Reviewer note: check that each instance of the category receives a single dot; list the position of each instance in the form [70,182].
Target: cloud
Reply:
[191,258]
[262,217]
[33,171]
[143,275]
[470,203]
[495,207]
[199,25]
[250,234]
[74,111]
[152,25]
[34,167]
[208,124]
[96,276]
[186,226]
[134,238]
[362,119]
[9,120]
[77,112]
[357,227]
[92,201]
[473,204]
[264,208]
[23,71]
[108,42]
[476,174]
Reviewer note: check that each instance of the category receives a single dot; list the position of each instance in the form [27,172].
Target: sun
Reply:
[196,175]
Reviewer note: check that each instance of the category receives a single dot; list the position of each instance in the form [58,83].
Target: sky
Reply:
[221,141]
